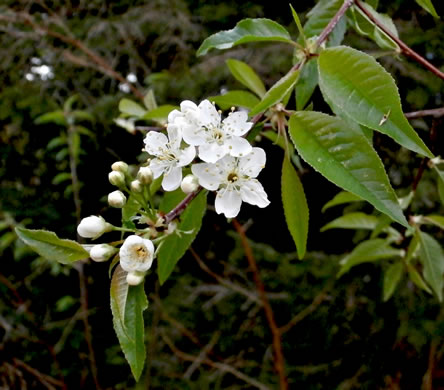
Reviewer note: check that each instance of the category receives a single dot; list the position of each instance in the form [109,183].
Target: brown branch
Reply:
[405,49]
[279,361]
[435,112]
[45,380]
[180,208]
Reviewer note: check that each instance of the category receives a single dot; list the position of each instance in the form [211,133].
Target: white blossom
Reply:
[170,158]
[189,184]
[202,126]
[93,227]
[145,175]
[235,181]
[102,252]
[136,254]
[116,178]
[117,199]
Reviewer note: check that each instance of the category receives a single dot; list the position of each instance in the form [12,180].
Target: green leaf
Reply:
[57,117]
[432,258]
[127,306]
[247,30]
[130,209]
[355,220]
[437,220]
[307,83]
[367,93]
[149,100]
[175,245]
[245,74]
[341,198]
[428,6]
[392,277]
[298,24]
[235,99]
[367,252]
[417,279]
[48,245]
[61,177]
[160,114]
[295,206]
[277,92]
[131,108]
[344,157]
[441,191]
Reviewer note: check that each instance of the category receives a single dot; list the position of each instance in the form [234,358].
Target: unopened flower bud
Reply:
[172,226]
[136,186]
[102,252]
[120,166]
[189,184]
[145,175]
[136,254]
[134,278]
[116,178]
[93,227]
[117,199]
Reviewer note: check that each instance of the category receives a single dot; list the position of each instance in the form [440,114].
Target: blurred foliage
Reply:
[340,334]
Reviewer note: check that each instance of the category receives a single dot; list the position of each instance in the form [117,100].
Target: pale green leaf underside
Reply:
[247,30]
[175,246]
[295,206]
[160,114]
[131,108]
[341,198]
[392,277]
[346,158]
[367,252]
[356,220]
[432,258]
[130,328]
[245,74]
[235,99]
[277,92]
[367,93]
[48,245]
[437,220]
[428,6]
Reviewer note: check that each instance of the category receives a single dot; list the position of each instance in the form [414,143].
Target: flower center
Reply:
[232,177]
[140,252]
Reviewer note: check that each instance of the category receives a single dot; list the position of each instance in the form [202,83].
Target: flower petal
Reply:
[186,156]
[175,137]
[209,117]
[228,202]
[208,175]
[212,152]
[155,142]
[252,192]
[158,167]
[238,146]
[236,123]
[172,178]
[253,163]
[193,134]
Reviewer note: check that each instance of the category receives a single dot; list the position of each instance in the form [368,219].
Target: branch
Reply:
[435,112]
[180,208]
[279,361]
[405,49]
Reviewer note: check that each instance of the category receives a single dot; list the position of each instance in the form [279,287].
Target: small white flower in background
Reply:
[117,199]
[93,227]
[102,252]
[202,126]
[189,184]
[136,254]
[170,158]
[235,181]
[145,175]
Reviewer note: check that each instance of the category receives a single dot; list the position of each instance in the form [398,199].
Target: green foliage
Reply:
[428,6]
[341,198]
[245,74]
[235,99]
[131,108]
[392,277]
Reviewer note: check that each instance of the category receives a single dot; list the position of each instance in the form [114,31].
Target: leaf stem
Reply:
[180,208]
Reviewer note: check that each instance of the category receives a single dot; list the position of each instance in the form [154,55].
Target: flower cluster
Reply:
[230,164]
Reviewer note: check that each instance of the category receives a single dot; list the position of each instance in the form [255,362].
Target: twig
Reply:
[45,380]
[427,380]
[180,208]
[73,169]
[279,362]
[202,355]
[435,112]
[405,49]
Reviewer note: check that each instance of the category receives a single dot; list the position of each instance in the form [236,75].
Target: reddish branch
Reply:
[435,112]
[279,361]
[180,208]
[405,49]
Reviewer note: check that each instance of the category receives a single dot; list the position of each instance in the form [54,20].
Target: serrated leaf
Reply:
[277,92]
[247,30]
[175,245]
[341,198]
[392,277]
[128,319]
[428,6]
[432,258]
[245,74]
[131,108]
[356,220]
[295,206]
[417,279]
[367,93]
[160,114]
[344,157]
[307,83]
[437,220]
[235,99]
[49,246]
[367,252]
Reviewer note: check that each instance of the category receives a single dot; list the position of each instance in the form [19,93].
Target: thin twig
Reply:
[435,112]
[45,380]
[405,49]
[427,380]
[279,361]
[180,208]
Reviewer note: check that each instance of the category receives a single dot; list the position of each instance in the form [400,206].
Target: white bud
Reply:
[134,278]
[145,175]
[136,186]
[93,227]
[117,199]
[102,252]
[136,254]
[189,184]
[172,226]
[116,178]
[120,166]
